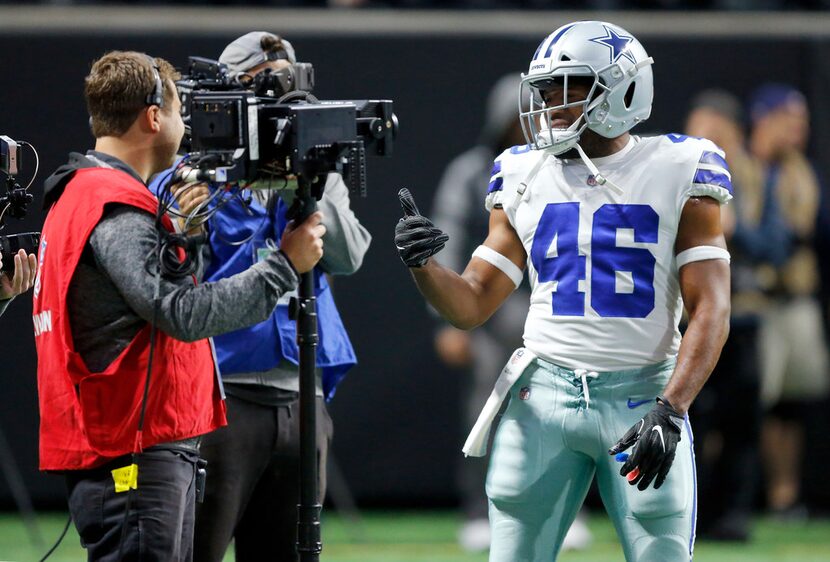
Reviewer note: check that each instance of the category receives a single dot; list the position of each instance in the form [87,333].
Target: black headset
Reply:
[156,97]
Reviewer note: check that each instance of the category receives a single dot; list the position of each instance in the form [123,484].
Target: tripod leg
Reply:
[309,542]
[19,492]
[343,500]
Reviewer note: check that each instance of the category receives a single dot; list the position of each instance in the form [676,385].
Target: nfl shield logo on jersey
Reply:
[524,393]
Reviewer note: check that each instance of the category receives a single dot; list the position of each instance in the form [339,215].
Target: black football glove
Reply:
[415,236]
[656,436]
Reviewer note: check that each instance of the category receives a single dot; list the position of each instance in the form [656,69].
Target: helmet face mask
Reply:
[620,95]
[537,121]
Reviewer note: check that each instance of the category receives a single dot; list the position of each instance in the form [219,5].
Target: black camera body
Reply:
[236,135]
[11,244]
[13,202]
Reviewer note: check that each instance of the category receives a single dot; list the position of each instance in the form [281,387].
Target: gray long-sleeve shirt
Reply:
[345,243]
[111,293]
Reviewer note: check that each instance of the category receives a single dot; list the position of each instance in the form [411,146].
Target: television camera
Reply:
[243,129]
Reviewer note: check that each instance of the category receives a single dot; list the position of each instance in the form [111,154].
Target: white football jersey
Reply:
[601,263]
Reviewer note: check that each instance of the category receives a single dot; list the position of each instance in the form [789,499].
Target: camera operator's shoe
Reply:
[474,535]
[794,513]
[579,536]
[729,528]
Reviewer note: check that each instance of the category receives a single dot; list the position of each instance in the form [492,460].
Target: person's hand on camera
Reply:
[189,197]
[416,238]
[25,271]
[302,243]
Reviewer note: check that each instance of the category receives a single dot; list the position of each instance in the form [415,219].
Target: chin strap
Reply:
[522,188]
[522,191]
[575,129]
[601,180]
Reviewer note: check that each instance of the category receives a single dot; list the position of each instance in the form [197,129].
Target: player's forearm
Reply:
[453,296]
[699,352]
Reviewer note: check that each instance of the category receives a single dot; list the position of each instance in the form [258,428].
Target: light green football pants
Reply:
[551,441]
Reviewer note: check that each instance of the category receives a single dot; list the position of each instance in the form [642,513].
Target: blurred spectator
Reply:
[727,412]
[459,212]
[794,359]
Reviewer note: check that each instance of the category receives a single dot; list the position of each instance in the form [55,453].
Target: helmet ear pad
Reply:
[626,104]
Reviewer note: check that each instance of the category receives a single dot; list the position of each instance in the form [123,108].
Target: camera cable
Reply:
[59,541]
[17,197]
[138,445]
[168,265]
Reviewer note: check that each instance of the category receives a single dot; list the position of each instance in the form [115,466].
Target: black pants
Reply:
[728,409]
[160,526]
[253,476]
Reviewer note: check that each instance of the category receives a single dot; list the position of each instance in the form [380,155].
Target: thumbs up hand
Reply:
[416,238]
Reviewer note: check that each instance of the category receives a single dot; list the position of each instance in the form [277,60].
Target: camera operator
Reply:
[99,299]
[25,269]
[253,485]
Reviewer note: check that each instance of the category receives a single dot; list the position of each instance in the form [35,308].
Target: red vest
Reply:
[88,418]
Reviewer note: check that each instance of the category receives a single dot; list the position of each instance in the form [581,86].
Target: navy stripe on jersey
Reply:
[713,158]
[713,177]
[496,181]
[496,184]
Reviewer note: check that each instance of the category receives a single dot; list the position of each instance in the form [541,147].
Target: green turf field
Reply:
[430,537]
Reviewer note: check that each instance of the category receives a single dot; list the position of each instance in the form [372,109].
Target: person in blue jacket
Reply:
[252,486]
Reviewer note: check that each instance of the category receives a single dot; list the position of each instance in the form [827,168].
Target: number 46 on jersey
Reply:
[559,225]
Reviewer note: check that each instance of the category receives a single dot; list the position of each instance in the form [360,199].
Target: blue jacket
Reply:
[262,346]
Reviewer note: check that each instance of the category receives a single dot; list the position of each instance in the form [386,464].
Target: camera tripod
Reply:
[18,490]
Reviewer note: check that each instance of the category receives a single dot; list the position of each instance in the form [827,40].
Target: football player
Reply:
[617,233]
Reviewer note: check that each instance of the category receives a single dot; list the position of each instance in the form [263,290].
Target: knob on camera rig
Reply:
[14,200]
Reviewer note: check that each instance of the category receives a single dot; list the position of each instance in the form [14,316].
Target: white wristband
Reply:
[501,263]
[700,253]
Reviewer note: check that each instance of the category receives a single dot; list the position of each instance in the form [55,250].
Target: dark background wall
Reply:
[397,435]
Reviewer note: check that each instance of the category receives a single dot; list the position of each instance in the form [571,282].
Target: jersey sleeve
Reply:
[495,189]
[711,177]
